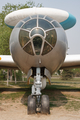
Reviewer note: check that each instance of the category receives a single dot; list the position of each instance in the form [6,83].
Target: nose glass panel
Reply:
[47,48]
[37,31]
[30,24]
[51,37]
[19,25]
[25,19]
[28,49]
[48,18]
[56,24]
[44,24]
[37,41]
[23,37]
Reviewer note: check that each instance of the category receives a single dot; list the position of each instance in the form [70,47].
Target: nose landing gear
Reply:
[36,103]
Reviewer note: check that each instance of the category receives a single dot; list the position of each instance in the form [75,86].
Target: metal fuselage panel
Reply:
[52,61]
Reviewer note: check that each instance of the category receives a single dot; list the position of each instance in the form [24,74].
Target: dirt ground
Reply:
[15,110]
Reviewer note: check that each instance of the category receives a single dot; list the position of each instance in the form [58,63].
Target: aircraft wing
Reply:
[71,61]
[6,61]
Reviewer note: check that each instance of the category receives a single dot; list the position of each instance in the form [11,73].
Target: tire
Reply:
[45,108]
[31,109]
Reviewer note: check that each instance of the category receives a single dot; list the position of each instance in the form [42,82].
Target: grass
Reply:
[12,96]
[52,105]
[54,91]
[20,84]
[73,105]
[56,84]
[4,85]
[57,98]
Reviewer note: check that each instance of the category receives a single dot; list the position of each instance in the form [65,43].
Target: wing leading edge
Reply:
[71,61]
[6,61]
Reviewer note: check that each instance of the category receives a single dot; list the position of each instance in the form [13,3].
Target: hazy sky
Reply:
[71,6]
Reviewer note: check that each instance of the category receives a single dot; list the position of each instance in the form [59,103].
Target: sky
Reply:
[71,6]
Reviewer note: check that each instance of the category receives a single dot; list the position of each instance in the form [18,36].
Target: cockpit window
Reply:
[47,48]
[41,16]
[26,19]
[19,25]
[37,41]
[55,24]
[51,37]
[28,49]
[23,37]
[37,34]
[37,31]
[48,18]
[34,16]
[44,24]
[30,24]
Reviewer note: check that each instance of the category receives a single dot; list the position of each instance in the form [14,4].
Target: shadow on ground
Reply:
[55,96]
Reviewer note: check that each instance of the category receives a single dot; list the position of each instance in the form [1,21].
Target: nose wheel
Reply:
[31,109]
[42,107]
[45,108]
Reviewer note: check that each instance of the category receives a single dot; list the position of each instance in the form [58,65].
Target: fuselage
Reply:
[38,41]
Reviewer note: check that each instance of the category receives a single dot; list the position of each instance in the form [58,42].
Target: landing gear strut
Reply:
[36,103]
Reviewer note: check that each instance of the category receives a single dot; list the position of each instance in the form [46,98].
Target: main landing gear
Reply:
[36,102]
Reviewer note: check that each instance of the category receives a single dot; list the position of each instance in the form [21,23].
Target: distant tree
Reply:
[6,31]
[4,40]
[67,74]
[3,74]
[19,75]
[76,72]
